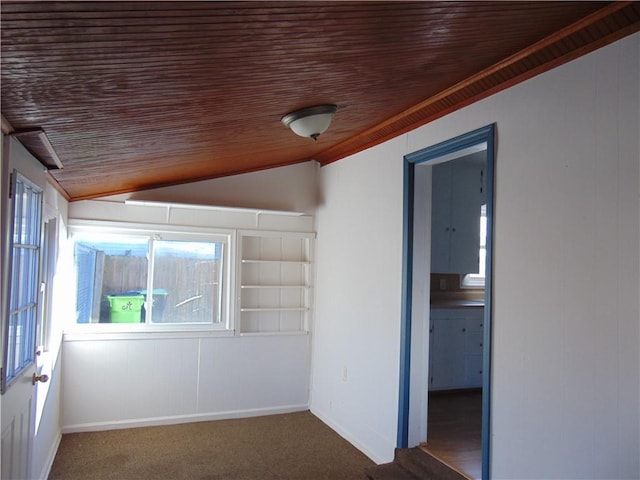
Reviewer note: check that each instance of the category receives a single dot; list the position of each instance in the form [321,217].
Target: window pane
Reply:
[23,287]
[111,272]
[187,282]
[478,279]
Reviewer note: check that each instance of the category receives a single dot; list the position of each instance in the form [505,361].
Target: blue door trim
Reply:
[405,326]
[481,135]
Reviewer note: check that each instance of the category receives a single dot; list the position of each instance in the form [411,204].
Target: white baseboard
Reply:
[46,468]
[366,449]
[176,419]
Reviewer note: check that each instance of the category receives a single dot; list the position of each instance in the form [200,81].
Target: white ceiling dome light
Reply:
[310,122]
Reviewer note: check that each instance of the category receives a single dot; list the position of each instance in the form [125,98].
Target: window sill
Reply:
[98,332]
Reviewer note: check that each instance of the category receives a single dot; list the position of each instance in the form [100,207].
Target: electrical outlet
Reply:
[345,375]
[443,284]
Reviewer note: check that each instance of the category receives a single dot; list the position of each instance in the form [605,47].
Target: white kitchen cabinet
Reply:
[458,192]
[456,342]
[275,282]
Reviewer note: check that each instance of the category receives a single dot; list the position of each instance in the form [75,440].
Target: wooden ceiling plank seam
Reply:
[599,30]
[143,17]
[397,16]
[416,28]
[263,9]
[89,9]
[209,55]
[545,55]
[519,29]
[582,37]
[137,87]
[296,40]
[555,50]
[293,27]
[410,20]
[162,64]
[400,12]
[116,33]
[176,64]
[129,23]
[241,5]
[630,15]
[109,44]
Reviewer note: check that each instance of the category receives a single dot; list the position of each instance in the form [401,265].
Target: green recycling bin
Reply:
[126,308]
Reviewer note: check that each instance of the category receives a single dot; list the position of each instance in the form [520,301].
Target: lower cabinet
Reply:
[455,348]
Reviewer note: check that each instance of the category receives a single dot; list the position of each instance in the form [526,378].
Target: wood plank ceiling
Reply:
[134,95]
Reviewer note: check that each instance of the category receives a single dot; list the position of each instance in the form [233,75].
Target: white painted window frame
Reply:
[229,238]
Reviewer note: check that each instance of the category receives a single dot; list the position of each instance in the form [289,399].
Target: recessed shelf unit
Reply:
[275,282]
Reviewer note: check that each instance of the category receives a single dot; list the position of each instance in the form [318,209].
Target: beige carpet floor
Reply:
[289,446]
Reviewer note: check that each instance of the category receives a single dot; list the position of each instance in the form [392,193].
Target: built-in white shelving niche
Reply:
[275,282]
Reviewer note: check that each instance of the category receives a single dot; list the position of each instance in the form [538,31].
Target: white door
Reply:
[18,409]
[21,243]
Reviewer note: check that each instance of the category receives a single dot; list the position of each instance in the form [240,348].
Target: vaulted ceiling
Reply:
[135,95]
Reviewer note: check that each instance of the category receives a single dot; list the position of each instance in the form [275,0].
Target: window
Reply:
[174,278]
[477,280]
[24,266]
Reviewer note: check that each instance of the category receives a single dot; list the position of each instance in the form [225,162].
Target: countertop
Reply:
[458,303]
[457,299]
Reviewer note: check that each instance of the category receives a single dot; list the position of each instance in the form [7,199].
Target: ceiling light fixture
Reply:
[310,122]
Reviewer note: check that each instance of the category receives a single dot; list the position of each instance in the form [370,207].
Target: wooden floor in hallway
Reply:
[455,430]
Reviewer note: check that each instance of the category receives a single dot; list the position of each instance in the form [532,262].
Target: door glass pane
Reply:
[23,286]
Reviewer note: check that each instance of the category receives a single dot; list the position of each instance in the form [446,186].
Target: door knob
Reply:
[39,378]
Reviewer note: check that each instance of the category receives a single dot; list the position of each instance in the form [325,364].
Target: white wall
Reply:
[48,431]
[116,383]
[285,188]
[359,280]
[566,355]
[116,380]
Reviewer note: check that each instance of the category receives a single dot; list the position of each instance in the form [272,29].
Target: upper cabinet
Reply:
[458,193]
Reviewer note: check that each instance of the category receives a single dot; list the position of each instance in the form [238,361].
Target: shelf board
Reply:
[190,206]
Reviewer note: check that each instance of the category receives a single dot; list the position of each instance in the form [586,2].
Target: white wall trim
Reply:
[177,419]
[191,206]
[46,468]
[138,214]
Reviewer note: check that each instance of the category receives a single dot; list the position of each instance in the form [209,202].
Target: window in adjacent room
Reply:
[472,280]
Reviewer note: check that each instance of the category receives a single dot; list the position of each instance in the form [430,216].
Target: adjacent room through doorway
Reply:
[447,312]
